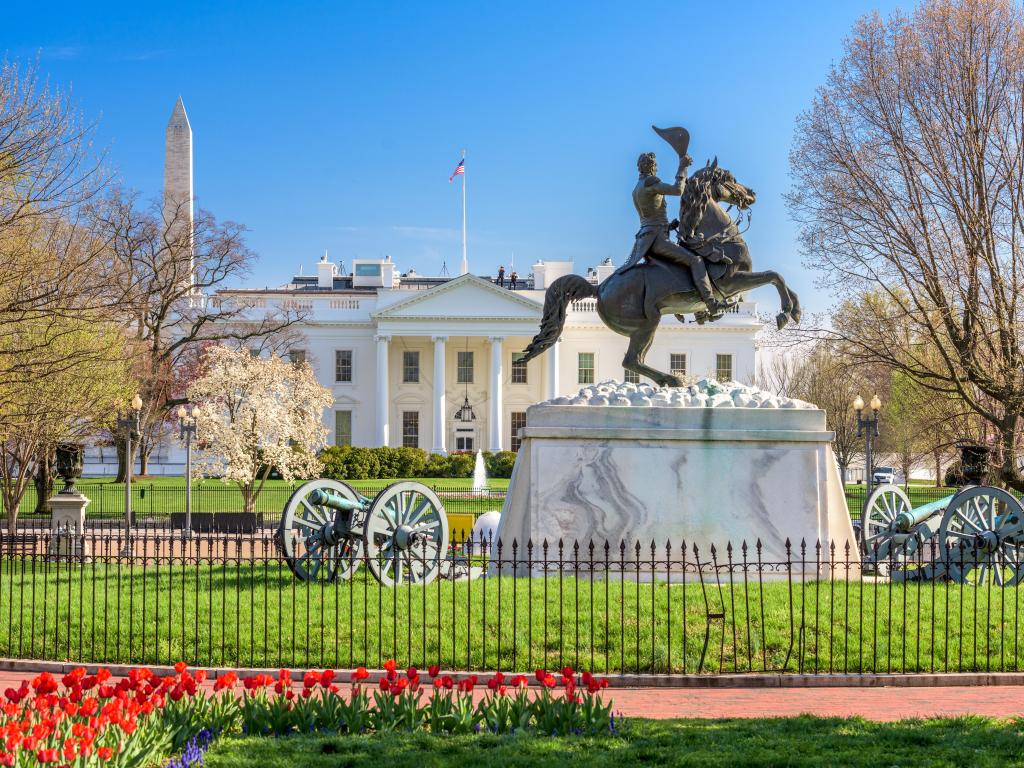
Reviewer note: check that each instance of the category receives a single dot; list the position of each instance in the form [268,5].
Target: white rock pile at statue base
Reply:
[705,464]
[706,393]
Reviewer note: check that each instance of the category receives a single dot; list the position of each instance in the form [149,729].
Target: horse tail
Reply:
[559,295]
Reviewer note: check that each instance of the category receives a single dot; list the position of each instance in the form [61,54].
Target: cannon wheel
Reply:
[406,535]
[300,536]
[880,510]
[974,537]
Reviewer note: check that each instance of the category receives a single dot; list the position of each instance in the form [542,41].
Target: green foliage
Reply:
[352,463]
[460,465]
[500,464]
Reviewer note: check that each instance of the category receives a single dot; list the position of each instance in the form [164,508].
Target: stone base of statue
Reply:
[68,527]
[697,466]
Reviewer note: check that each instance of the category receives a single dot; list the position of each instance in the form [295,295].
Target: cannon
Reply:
[972,536]
[328,529]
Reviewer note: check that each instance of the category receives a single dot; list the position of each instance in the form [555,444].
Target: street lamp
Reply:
[868,429]
[187,431]
[131,425]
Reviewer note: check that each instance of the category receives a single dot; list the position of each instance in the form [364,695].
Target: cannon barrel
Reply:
[324,498]
[905,521]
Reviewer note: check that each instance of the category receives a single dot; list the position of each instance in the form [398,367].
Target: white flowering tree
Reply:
[258,414]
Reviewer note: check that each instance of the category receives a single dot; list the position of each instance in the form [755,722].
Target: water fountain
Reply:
[479,474]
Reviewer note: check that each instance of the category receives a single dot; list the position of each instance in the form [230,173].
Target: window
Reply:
[518,368]
[410,367]
[465,368]
[367,270]
[410,429]
[297,356]
[463,443]
[343,365]
[586,368]
[343,427]
[723,367]
[516,422]
[630,377]
[677,363]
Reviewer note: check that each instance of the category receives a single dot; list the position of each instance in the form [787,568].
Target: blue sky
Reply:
[336,125]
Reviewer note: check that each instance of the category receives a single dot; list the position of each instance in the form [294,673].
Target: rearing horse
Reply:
[632,301]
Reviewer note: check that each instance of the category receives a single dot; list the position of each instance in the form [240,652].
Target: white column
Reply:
[383,390]
[495,394]
[439,399]
[552,361]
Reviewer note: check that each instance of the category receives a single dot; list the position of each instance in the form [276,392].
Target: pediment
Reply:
[467,296]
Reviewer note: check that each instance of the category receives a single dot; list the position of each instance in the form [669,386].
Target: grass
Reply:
[155,497]
[254,613]
[856,495]
[800,741]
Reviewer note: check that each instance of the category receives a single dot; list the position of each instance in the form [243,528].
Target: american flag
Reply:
[460,168]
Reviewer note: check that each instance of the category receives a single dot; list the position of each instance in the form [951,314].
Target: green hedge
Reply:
[352,463]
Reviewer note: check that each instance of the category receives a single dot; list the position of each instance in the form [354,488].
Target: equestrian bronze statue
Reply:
[701,273]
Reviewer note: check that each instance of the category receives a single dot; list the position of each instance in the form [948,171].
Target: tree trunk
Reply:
[144,450]
[939,481]
[248,498]
[843,468]
[44,484]
[1009,472]
[121,466]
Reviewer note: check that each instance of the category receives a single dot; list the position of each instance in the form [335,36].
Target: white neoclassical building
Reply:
[434,363]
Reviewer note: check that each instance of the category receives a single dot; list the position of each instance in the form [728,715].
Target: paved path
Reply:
[880,703]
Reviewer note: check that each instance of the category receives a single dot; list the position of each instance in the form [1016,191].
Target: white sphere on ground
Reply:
[485,529]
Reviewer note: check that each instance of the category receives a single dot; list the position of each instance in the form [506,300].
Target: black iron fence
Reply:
[631,607]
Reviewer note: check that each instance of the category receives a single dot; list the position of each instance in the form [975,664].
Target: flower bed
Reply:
[90,720]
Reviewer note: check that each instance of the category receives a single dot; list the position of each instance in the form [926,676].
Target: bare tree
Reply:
[909,169]
[169,275]
[49,253]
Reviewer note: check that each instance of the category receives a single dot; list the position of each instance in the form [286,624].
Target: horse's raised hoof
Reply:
[701,317]
[782,320]
[796,314]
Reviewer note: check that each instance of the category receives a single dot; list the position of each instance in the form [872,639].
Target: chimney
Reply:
[325,272]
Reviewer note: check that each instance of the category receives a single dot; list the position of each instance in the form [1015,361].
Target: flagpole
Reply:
[465,261]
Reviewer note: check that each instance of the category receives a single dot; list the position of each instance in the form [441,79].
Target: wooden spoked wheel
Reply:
[979,537]
[317,541]
[882,508]
[406,535]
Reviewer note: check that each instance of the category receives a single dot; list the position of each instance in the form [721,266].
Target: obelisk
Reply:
[178,212]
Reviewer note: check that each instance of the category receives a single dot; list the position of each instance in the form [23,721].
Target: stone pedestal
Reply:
[68,526]
[679,471]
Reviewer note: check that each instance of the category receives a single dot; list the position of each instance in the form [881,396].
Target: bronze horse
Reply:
[632,301]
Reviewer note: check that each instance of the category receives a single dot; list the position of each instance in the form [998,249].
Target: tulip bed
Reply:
[83,719]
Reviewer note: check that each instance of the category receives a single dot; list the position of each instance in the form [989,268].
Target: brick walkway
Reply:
[878,703]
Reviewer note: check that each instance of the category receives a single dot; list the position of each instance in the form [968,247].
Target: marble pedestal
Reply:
[68,526]
[698,475]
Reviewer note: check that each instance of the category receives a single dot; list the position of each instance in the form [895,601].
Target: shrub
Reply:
[460,465]
[500,464]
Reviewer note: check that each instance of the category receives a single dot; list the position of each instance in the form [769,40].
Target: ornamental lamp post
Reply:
[868,429]
[187,431]
[130,424]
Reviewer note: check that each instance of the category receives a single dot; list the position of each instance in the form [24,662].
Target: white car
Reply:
[883,475]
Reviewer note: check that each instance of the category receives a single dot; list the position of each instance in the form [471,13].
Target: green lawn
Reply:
[255,614]
[156,497]
[919,494]
[801,741]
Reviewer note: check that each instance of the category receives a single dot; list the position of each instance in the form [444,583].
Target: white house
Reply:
[404,355]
